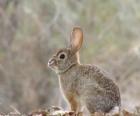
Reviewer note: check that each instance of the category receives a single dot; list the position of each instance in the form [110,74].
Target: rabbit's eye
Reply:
[62,56]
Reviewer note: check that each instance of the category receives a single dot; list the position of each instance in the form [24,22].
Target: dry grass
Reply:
[55,111]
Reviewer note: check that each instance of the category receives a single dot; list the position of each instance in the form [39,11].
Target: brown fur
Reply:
[84,85]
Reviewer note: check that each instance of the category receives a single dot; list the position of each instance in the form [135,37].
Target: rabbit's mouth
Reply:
[52,63]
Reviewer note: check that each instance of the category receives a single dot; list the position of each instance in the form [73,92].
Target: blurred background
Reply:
[31,30]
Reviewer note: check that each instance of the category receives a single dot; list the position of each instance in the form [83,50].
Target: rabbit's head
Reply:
[65,58]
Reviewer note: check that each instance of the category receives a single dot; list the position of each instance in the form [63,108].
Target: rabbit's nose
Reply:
[51,62]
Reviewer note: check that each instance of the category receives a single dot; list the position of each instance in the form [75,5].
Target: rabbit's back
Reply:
[91,75]
[96,85]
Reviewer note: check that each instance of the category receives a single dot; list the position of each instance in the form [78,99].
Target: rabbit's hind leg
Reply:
[97,106]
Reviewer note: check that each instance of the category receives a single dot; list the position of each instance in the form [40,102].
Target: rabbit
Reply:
[83,84]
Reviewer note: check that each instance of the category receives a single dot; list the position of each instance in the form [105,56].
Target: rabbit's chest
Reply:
[69,85]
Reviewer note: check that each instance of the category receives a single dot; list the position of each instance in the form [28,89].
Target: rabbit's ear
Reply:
[76,39]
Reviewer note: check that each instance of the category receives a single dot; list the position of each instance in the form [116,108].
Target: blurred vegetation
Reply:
[31,30]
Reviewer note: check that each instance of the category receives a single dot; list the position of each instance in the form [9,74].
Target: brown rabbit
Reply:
[83,85]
